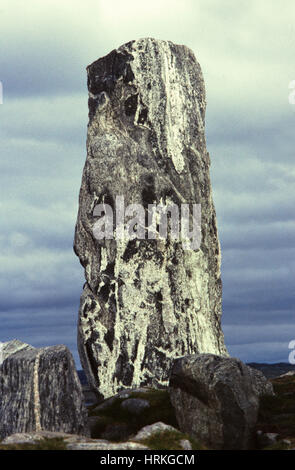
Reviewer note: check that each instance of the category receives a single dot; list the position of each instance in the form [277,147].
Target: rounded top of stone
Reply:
[17,348]
[138,45]
[12,347]
[149,40]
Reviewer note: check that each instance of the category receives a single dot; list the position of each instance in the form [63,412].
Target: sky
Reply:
[246,51]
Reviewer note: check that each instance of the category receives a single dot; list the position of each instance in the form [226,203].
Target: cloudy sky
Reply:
[246,50]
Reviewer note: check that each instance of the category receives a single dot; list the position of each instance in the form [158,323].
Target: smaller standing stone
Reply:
[216,399]
[40,391]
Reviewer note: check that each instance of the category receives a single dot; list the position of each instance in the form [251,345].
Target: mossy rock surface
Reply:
[116,417]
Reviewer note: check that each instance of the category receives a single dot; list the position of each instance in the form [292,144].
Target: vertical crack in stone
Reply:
[37,407]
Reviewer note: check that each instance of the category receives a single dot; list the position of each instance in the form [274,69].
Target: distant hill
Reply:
[269,370]
[272,370]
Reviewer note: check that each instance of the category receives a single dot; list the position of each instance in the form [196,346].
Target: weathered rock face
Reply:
[146,301]
[261,385]
[40,390]
[216,399]
[11,347]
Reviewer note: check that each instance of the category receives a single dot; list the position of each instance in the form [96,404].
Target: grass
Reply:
[277,413]
[56,443]
[160,410]
[170,440]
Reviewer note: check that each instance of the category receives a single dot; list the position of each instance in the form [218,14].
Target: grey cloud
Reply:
[250,334]
[261,352]
[268,140]
[38,327]
[57,119]
[251,234]
[47,46]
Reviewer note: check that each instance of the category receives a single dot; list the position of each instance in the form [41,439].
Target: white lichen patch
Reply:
[169,88]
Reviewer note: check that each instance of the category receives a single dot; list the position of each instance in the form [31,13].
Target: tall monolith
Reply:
[152,296]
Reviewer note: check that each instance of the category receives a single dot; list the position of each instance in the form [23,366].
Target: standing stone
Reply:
[40,391]
[145,301]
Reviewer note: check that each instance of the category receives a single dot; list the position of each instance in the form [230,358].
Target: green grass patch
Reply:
[169,440]
[277,413]
[56,443]
[160,410]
